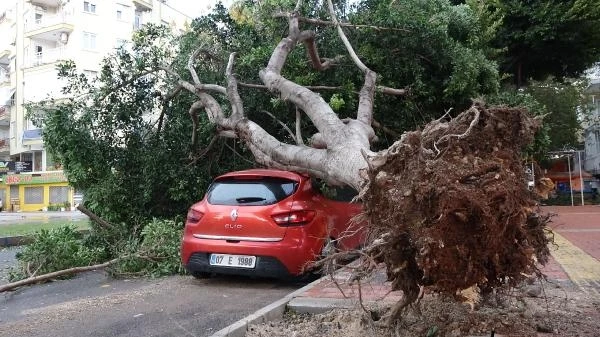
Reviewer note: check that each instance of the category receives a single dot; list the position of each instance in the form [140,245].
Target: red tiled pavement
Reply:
[580,225]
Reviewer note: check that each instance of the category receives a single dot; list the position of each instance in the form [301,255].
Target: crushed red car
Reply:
[266,223]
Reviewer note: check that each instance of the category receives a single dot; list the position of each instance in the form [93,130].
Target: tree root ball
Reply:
[451,208]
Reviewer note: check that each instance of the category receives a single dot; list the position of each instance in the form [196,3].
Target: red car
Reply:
[265,223]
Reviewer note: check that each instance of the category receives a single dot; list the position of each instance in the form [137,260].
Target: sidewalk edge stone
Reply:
[268,313]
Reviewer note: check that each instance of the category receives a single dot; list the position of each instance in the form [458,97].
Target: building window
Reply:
[119,14]
[90,74]
[137,21]
[89,41]
[34,195]
[59,194]
[89,7]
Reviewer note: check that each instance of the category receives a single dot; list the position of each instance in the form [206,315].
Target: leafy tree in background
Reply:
[544,38]
[124,139]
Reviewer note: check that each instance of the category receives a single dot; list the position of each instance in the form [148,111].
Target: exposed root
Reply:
[459,217]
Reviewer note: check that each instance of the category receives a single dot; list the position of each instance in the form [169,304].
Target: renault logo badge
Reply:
[234,214]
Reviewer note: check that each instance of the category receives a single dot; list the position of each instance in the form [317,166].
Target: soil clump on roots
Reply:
[449,209]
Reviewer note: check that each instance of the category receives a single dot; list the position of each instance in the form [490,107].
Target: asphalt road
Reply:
[94,305]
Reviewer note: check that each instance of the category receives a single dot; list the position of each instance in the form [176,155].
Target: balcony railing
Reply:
[47,56]
[4,144]
[144,4]
[49,20]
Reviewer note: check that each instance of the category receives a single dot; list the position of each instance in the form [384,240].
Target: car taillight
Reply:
[194,216]
[294,218]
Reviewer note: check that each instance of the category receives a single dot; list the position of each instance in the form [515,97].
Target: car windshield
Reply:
[250,192]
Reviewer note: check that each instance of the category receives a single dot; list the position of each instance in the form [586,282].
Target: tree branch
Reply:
[49,276]
[169,96]
[237,108]
[285,127]
[95,218]
[299,139]
[309,87]
[320,113]
[385,129]
[190,65]
[308,38]
[318,22]
[194,116]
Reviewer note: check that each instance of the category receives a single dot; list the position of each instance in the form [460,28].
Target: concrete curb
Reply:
[19,240]
[271,312]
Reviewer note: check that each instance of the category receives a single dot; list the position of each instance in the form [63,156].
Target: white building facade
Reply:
[36,34]
[592,130]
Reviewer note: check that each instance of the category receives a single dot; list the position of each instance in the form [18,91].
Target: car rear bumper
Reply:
[266,266]
[288,257]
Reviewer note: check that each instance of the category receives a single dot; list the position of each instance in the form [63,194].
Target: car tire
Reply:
[200,275]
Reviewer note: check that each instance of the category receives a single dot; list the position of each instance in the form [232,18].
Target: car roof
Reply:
[264,173]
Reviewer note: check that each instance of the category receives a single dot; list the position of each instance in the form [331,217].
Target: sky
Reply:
[193,8]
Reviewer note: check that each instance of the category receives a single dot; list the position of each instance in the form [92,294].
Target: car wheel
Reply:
[200,275]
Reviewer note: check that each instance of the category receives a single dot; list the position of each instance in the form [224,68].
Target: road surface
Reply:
[94,305]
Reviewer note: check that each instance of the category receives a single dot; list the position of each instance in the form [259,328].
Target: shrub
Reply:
[156,253]
[55,249]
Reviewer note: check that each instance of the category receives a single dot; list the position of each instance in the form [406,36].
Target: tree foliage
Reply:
[544,38]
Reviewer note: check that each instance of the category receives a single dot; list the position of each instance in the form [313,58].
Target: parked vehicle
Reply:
[266,223]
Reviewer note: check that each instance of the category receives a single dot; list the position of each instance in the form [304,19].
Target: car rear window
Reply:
[250,192]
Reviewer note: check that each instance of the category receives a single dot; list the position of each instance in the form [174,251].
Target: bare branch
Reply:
[194,115]
[105,224]
[190,64]
[207,149]
[308,38]
[49,276]
[385,129]
[237,107]
[282,125]
[309,87]
[320,113]
[344,39]
[318,22]
[391,91]
[169,96]
[299,139]
[317,141]
[366,98]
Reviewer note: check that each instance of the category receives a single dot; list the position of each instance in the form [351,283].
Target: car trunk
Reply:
[241,208]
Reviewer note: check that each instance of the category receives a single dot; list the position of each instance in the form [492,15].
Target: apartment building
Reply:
[591,129]
[34,36]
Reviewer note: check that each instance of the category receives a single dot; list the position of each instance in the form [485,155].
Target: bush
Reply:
[156,253]
[55,249]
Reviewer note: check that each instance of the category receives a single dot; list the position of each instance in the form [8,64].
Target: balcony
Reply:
[50,27]
[144,5]
[32,137]
[46,3]
[47,56]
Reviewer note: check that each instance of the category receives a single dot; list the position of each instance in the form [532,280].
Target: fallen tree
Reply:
[447,206]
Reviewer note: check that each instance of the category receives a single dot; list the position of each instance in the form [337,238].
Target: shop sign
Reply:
[32,179]
[15,167]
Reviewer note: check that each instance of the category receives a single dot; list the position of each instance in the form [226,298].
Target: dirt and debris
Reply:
[555,311]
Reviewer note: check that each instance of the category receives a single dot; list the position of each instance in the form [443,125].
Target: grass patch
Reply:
[29,228]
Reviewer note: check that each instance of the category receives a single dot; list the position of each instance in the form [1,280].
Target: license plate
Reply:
[227,260]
